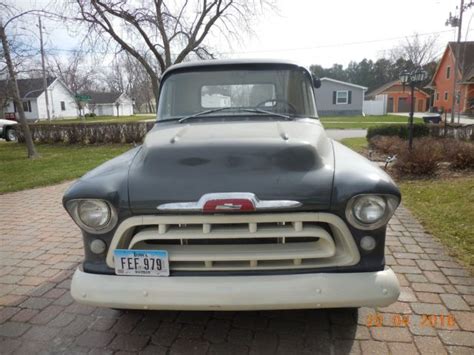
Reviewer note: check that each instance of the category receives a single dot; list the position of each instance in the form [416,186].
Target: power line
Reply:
[341,44]
[56,49]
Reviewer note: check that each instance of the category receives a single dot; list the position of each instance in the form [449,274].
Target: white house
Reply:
[61,100]
[108,104]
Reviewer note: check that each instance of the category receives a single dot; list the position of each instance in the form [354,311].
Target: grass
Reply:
[100,119]
[58,163]
[446,209]
[358,144]
[352,122]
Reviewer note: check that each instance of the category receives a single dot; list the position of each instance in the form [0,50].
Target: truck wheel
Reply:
[10,135]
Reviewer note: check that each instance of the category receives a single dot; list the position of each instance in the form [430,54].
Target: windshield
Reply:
[249,93]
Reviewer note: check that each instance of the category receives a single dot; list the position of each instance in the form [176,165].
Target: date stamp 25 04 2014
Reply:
[404,320]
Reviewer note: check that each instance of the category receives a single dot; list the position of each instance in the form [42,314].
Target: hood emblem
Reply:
[228,202]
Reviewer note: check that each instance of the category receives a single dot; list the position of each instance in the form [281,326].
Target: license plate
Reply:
[141,262]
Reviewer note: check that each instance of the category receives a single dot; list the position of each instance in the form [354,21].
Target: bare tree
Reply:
[128,76]
[74,71]
[417,50]
[15,92]
[170,31]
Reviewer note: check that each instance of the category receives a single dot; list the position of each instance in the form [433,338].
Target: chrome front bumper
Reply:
[296,291]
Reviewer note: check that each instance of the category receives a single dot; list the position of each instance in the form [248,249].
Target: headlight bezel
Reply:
[391,204]
[72,207]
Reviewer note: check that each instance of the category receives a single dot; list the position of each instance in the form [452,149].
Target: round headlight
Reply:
[370,212]
[369,209]
[94,213]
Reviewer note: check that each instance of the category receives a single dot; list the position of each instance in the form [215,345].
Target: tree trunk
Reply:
[32,154]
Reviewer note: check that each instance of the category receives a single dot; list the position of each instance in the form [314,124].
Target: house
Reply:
[61,100]
[339,98]
[108,103]
[443,78]
[398,97]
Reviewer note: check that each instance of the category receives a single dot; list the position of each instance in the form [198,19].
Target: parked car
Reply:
[8,130]
[237,200]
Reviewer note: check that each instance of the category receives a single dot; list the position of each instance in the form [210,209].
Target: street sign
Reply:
[83,97]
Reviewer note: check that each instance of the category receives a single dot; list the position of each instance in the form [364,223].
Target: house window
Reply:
[445,95]
[341,97]
[437,96]
[448,72]
[63,106]
[27,106]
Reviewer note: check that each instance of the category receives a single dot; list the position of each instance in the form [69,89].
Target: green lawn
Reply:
[357,144]
[446,209]
[101,119]
[57,163]
[351,122]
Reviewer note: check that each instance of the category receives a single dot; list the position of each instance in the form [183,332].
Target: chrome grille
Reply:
[241,242]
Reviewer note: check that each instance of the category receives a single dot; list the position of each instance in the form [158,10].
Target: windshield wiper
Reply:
[259,110]
[253,110]
[182,119]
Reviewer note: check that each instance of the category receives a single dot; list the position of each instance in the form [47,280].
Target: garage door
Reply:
[403,104]
[390,104]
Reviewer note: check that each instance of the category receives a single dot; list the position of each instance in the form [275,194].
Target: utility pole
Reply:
[454,21]
[16,94]
[45,80]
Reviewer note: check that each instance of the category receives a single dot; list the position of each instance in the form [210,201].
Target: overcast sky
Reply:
[327,31]
[338,31]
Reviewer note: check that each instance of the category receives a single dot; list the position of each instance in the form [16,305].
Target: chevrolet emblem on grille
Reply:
[229,202]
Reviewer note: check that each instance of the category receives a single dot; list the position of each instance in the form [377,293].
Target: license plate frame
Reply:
[150,263]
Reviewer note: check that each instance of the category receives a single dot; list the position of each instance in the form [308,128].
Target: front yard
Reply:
[58,163]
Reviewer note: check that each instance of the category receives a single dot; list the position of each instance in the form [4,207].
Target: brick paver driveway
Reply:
[40,248]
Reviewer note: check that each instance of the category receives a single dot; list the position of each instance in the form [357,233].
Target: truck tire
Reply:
[10,135]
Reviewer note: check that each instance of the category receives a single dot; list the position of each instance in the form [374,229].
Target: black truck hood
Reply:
[290,160]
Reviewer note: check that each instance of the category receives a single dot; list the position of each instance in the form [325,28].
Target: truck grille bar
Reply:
[241,242]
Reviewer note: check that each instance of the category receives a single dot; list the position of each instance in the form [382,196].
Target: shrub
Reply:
[423,159]
[459,154]
[398,130]
[91,114]
[387,144]
[89,133]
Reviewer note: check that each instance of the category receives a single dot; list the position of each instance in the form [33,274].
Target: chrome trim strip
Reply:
[199,205]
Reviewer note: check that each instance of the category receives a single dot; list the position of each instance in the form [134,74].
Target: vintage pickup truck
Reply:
[237,200]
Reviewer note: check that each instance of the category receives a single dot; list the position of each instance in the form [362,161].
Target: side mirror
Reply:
[316,82]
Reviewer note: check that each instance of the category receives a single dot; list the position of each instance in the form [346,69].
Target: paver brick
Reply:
[436,277]
[399,334]
[94,339]
[455,337]
[187,346]
[402,348]
[41,333]
[427,297]
[455,302]
[427,287]
[370,347]
[430,345]
[465,320]
[13,329]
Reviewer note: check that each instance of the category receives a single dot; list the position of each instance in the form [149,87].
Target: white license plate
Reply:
[141,262]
